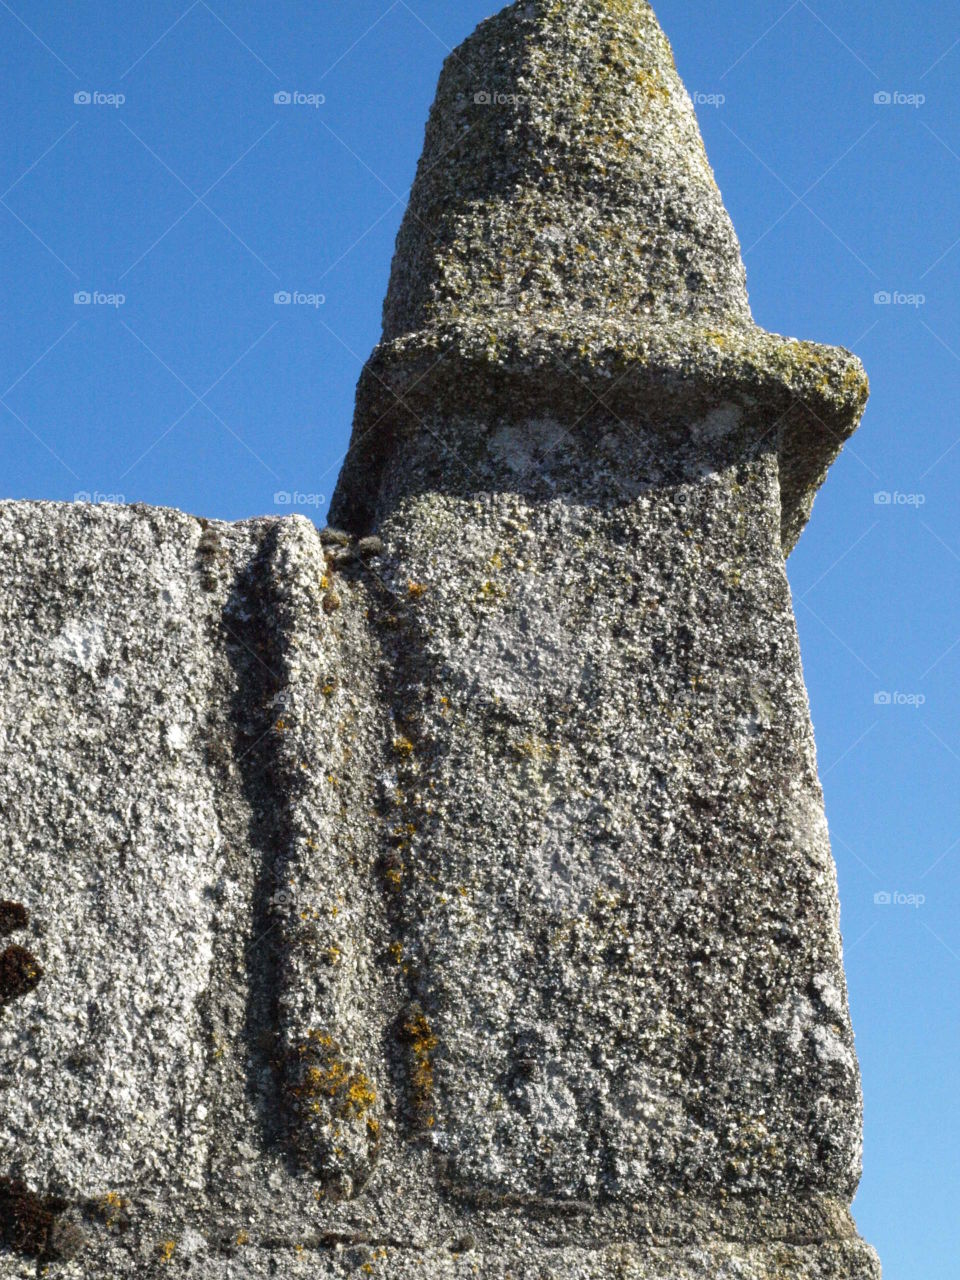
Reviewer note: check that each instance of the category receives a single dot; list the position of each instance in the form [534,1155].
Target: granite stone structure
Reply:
[448,893]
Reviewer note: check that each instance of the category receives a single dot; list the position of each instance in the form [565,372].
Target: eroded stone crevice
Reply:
[253,648]
[305,721]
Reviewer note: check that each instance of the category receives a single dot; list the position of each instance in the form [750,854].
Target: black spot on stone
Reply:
[19,973]
[29,1223]
[13,915]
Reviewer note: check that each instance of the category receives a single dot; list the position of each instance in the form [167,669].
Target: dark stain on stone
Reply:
[13,915]
[65,1240]
[30,1223]
[19,973]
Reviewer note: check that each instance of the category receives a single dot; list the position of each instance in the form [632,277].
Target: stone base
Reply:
[719,1260]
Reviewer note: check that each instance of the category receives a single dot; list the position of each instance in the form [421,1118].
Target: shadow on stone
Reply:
[252,647]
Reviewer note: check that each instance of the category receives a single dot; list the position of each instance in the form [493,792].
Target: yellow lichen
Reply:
[529,749]
[346,1087]
[361,1095]
[423,1042]
[111,1208]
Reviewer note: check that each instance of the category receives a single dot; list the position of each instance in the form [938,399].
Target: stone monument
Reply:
[448,893]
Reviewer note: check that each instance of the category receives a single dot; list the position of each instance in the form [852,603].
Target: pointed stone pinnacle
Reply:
[564,182]
[564,232]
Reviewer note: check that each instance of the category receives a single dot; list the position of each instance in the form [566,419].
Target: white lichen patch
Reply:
[81,643]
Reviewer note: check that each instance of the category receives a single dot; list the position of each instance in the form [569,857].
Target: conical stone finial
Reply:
[564,233]
[564,186]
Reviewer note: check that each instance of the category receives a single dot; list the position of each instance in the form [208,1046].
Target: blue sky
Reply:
[198,198]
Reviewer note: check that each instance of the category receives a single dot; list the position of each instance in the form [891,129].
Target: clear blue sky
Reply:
[198,198]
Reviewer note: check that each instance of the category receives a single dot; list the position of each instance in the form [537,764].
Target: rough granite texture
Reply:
[452,896]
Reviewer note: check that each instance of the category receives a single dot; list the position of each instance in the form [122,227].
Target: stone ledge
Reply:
[808,398]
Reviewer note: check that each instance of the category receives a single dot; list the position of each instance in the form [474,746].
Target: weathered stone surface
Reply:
[452,896]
